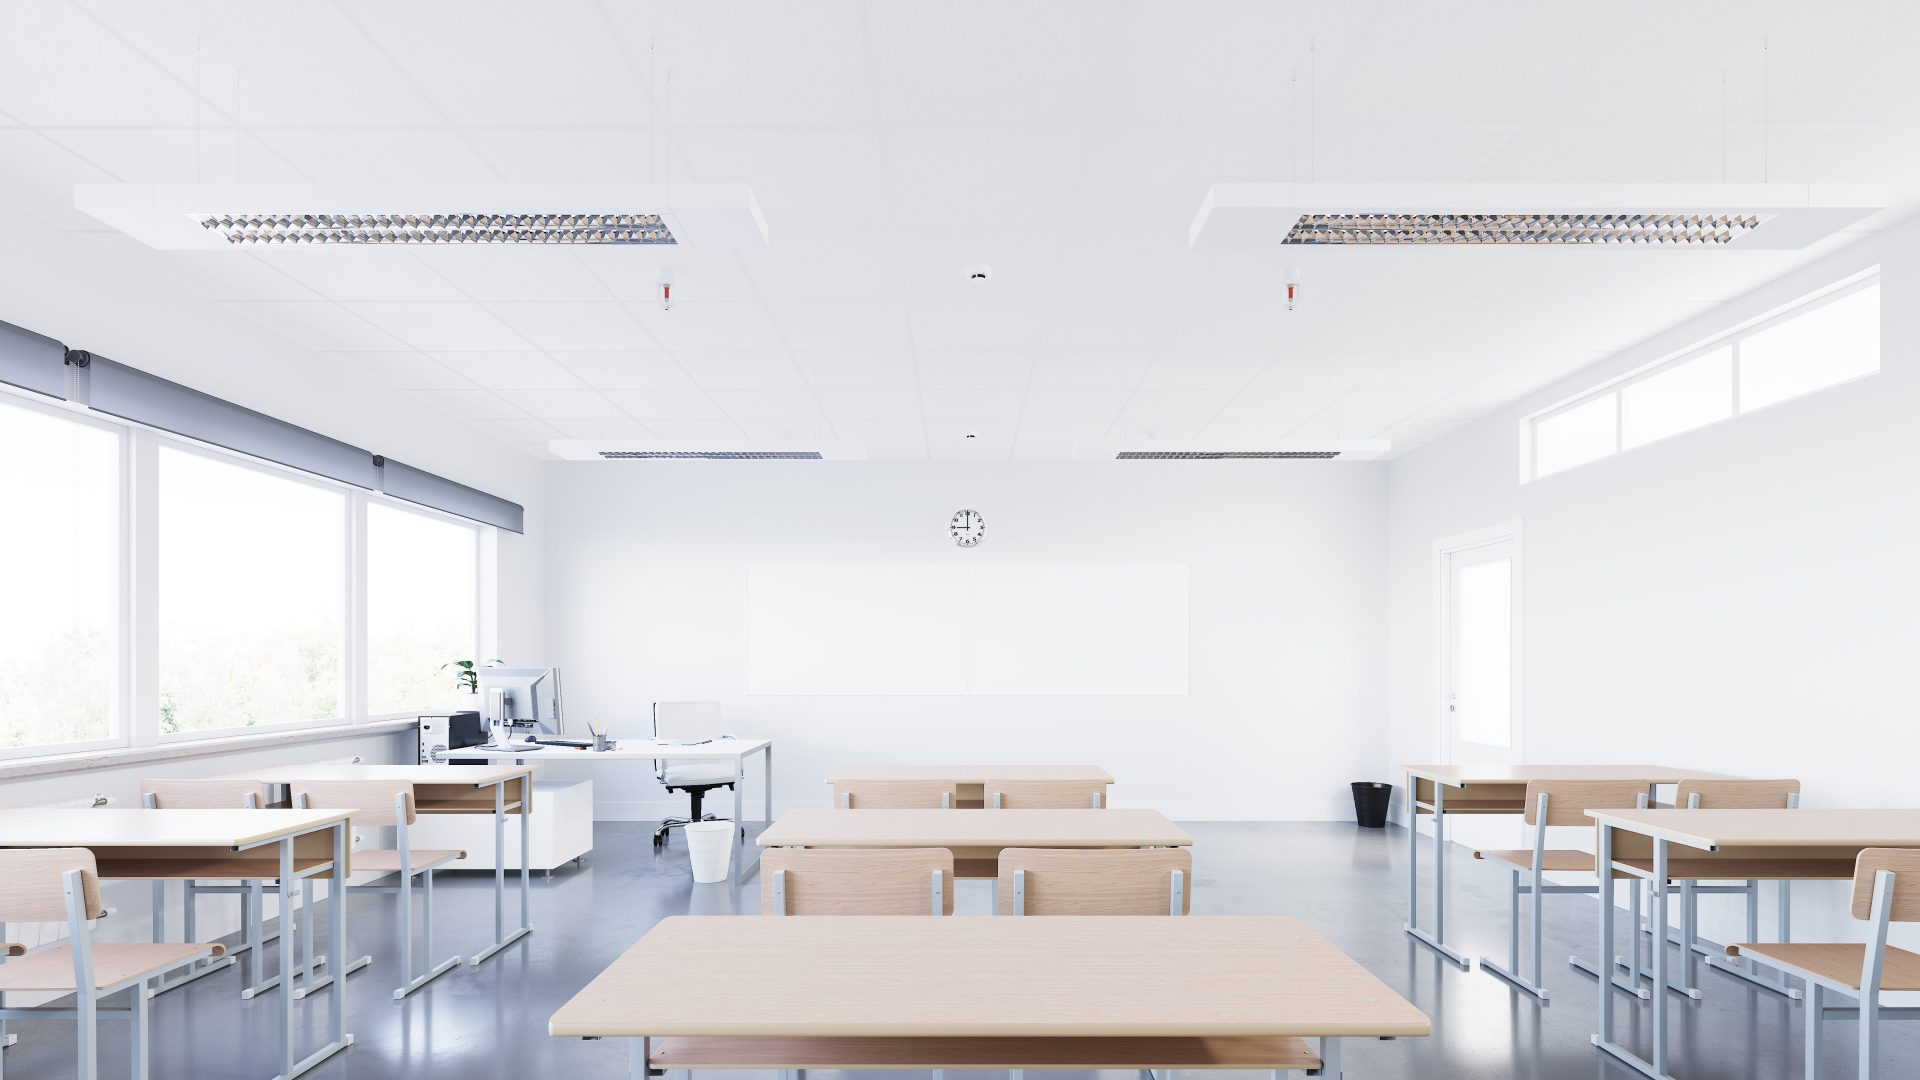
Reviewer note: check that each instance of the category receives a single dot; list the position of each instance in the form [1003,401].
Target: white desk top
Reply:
[1465,775]
[477,775]
[630,750]
[986,977]
[1715,830]
[113,828]
[816,827]
[969,774]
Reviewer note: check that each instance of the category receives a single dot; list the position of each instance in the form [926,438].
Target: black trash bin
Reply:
[1370,803]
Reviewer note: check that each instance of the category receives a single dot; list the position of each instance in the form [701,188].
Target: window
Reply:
[1820,342]
[59,580]
[421,610]
[252,595]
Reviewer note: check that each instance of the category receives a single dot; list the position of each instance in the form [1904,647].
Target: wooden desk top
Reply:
[1465,775]
[477,775]
[819,827]
[1713,830]
[630,750]
[113,828]
[982,976]
[969,774]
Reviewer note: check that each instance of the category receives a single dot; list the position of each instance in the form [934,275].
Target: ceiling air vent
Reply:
[1222,455]
[711,455]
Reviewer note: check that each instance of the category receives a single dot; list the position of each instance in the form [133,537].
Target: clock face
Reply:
[968,528]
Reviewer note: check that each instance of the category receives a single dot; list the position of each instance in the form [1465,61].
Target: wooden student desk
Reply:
[968,992]
[1440,790]
[500,788]
[1783,845]
[971,780]
[975,837]
[246,845]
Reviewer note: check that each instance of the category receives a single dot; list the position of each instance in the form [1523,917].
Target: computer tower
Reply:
[448,732]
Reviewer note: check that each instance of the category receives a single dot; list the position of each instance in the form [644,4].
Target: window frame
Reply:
[121,714]
[477,529]
[1729,339]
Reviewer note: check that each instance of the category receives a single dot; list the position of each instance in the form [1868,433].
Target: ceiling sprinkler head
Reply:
[666,296]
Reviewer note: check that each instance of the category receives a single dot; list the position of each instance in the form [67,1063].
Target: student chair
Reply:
[844,881]
[1549,804]
[895,794]
[1116,881]
[1720,795]
[215,795]
[63,885]
[1886,889]
[1046,794]
[690,721]
[381,803]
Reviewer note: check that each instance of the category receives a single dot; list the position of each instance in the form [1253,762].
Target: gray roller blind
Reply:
[130,394]
[32,361]
[424,488]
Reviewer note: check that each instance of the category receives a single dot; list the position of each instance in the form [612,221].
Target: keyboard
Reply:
[577,744]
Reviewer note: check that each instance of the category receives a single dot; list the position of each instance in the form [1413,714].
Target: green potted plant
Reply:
[466,682]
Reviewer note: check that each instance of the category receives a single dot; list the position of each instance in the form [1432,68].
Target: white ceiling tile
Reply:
[1469,404]
[1041,451]
[567,327]
[412,155]
[1163,431]
[1537,372]
[981,327]
[360,274]
[863,326]
[404,370]
[472,404]
[519,273]
[825,266]
[856,371]
[1340,371]
[1276,404]
[511,370]
[1205,371]
[870,404]
[1074,404]
[432,327]
[1422,430]
[517,431]
[648,405]
[1177,404]
[1354,427]
[909,451]
[226,275]
[1093,371]
[768,404]
[1428,369]
[973,370]
[563,404]
[1116,326]
[318,326]
[698,275]
[618,428]
[698,434]
[1390,403]
[807,179]
[565,154]
[970,451]
[999,431]
[881,431]
[743,371]
[626,370]
[59,66]
[702,326]
[1063,431]
[790,431]
[968,404]
[1244,434]
[196,155]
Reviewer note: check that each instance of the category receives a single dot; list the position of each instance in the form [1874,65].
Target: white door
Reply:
[1480,631]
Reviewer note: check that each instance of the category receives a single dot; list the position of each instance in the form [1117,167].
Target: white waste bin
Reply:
[709,849]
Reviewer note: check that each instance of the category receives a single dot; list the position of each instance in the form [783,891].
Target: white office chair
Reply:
[690,722]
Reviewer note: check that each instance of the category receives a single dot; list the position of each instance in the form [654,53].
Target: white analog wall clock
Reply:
[968,527]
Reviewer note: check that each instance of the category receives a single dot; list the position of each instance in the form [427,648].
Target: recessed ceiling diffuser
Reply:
[187,217]
[1774,217]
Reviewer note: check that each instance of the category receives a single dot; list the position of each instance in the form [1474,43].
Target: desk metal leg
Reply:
[1657,1068]
[766,755]
[1437,939]
[502,939]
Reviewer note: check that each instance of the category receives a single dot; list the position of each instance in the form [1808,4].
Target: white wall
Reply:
[1741,598]
[647,601]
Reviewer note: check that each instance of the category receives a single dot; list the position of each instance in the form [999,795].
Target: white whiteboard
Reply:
[1040,629]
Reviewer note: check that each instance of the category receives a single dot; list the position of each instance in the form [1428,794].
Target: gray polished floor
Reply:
[490,1022]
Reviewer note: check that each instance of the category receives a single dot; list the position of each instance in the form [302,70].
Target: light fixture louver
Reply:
[440,228]
[1568,229]
[1225,455]
[710,455]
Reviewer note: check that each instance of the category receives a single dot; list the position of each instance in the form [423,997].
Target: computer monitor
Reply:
[521,701]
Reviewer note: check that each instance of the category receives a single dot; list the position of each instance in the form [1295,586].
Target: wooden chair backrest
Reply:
[1905,864]
[370,800]
[31,889]
[1109,881]
[1569,800]
[1736,794]
[896,794]
[203,794]
[1046,794]
[845,881]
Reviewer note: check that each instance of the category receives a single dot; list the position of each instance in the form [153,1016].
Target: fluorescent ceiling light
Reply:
[1196,450]
[180,218]
[1746,217]
[705,450]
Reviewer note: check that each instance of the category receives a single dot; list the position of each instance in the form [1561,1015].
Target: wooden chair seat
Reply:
[874,1052]
[385,861]
[113,965]
[1839,963]
[1557,859]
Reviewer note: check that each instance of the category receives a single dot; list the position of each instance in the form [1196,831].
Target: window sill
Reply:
[134,755]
